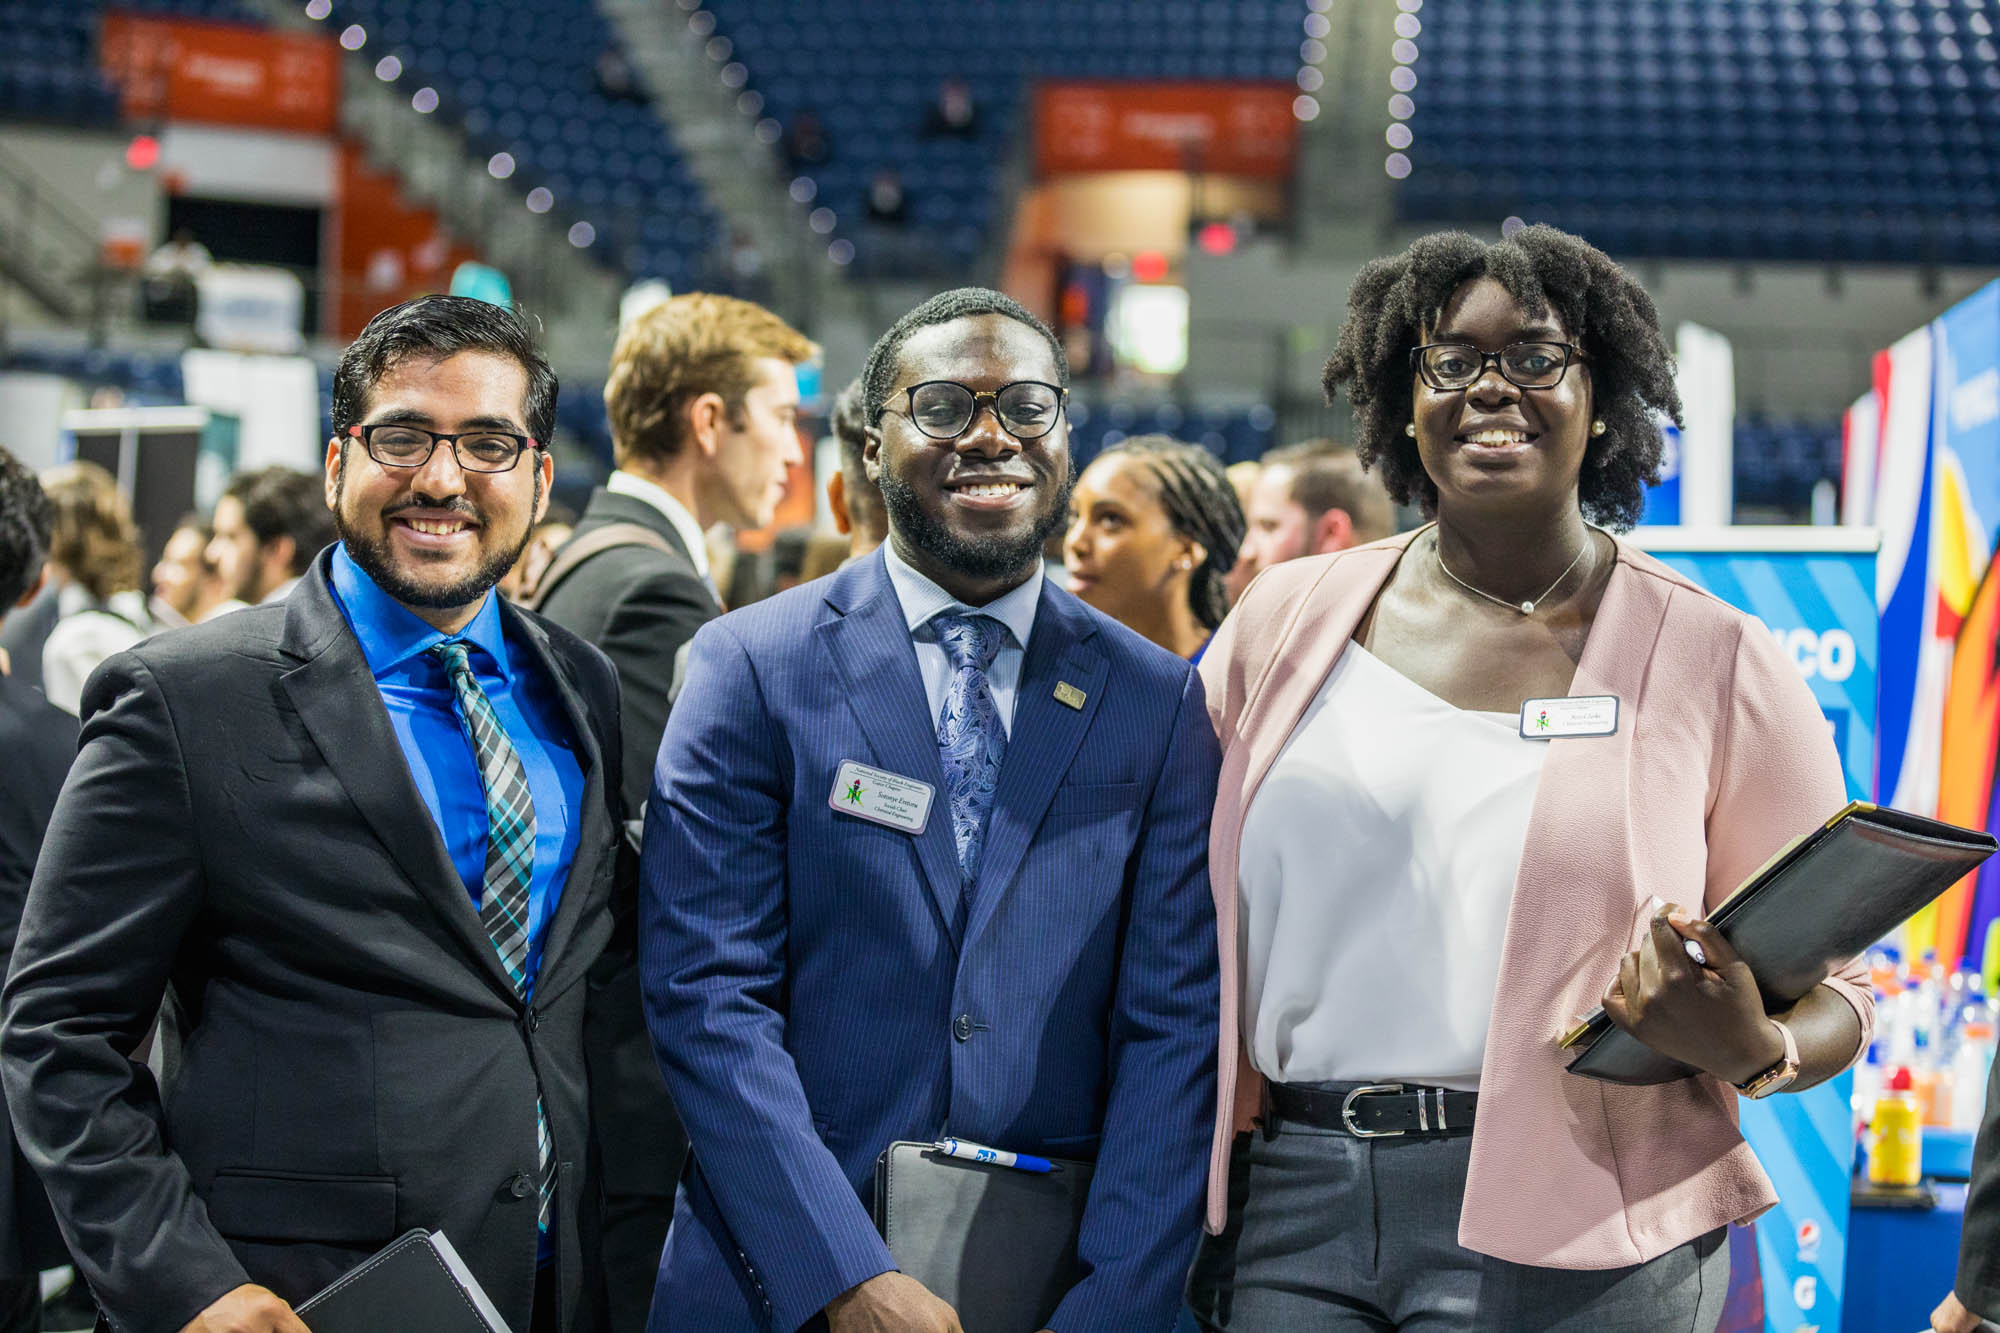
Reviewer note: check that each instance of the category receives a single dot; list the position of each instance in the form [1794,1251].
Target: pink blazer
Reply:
[1721,756]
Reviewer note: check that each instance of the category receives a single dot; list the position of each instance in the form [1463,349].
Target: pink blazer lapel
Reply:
[1567,918]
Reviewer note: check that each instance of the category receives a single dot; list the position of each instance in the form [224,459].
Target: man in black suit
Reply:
[702,400]
[368,836]
[39,740]
[1974,1301]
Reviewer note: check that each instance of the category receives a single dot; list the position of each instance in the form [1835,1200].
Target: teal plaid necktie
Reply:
[510,858]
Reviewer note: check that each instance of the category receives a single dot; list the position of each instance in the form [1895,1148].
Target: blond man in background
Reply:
[703,402]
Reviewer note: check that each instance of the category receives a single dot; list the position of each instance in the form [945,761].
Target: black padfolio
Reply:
[1823,899]
[995,1243]
[416,1285]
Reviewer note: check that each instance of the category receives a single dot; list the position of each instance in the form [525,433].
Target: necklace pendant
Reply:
[1527,608]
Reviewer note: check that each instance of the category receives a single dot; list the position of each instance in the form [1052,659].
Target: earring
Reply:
[1410,429]
[1597,427]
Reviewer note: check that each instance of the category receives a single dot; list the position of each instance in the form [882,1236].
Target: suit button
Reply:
[961,1027]
[534,1019]
[521,1186]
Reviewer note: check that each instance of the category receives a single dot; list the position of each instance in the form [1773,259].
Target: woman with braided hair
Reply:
[1478,780]
[1154,527]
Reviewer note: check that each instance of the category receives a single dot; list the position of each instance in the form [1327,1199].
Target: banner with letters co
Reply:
[1814,590]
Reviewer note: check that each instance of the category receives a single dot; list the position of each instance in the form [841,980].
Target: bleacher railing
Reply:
[52,252]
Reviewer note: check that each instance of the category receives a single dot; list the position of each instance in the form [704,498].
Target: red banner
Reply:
[1226,129]
[222,73]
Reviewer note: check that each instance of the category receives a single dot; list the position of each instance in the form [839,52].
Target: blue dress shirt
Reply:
[424,711]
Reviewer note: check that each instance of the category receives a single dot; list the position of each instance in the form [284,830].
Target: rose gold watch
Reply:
[1780,1075]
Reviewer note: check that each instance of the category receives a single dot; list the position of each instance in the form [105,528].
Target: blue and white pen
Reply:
[979,1152]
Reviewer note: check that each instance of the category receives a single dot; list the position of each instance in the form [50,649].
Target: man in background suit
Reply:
[703,401]
[1973,1303]
[1031,967]
[38,740]
[368,835]
[269,524]
[1309,499]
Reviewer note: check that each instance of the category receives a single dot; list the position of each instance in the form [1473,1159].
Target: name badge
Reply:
[1562,719]
[884,797]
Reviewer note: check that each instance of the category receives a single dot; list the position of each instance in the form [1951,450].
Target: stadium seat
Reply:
[1846,130]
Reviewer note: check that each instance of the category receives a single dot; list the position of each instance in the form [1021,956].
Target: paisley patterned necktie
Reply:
[969,735]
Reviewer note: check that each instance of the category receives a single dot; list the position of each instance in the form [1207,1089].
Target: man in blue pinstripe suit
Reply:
[926,852]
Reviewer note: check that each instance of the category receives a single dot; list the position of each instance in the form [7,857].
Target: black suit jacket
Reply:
[25,629]
[641,606]
[38,740]
[241,823]
[1978,1284]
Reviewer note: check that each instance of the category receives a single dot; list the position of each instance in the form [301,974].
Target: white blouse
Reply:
[1376,871]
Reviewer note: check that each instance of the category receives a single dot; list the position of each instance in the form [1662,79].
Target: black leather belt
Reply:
[1379,1110]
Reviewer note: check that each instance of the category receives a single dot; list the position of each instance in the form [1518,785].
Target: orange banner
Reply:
[1227,129]
[222,73]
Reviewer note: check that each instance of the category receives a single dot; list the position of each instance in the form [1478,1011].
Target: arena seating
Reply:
[1777,462]
[1232,434]
[1855,130]
[869,70]
[519,75]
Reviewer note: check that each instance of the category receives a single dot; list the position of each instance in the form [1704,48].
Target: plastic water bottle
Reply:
[1970,1064]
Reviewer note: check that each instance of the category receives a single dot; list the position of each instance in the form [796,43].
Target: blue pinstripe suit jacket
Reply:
[804,969]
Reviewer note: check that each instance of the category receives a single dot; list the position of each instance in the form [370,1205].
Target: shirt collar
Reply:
[637,487]
[392,634]
[922,599]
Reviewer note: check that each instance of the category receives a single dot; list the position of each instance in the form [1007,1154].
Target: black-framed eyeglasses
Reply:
[1525,365]
[393,444]
[944,409]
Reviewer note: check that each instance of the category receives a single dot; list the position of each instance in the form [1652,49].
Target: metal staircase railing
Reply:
[50,250]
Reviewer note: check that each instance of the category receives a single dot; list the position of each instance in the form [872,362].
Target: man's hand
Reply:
[1952,1317]
[251,1309]
[890,1303]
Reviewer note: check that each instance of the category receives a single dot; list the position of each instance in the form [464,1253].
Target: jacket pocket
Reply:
[356,1211]
[1094,798]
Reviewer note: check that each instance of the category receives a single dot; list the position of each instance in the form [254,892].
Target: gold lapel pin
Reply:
[1067,693]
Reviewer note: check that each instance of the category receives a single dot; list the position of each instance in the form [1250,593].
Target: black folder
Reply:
[995,1243]
[1823,899]
[417,1285]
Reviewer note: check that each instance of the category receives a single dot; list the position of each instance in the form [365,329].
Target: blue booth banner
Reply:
[1814,590]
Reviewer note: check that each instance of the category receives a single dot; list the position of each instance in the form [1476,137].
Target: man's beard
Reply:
[377,561]
[986,557]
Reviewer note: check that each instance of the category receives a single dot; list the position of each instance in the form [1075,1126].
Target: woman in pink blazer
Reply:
[1478,779]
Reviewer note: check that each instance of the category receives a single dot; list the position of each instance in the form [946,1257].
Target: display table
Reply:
[1901,1262]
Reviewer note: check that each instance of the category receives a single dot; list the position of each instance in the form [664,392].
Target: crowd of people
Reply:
[413,856]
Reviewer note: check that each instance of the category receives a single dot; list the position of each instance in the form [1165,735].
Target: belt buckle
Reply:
[1347,1112]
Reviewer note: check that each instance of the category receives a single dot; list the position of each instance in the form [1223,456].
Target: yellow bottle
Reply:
[1896,1151]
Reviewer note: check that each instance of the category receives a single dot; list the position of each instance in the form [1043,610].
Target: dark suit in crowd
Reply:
[640,605]
[1978,1284]
[24,630]
[243,825]
[38,740]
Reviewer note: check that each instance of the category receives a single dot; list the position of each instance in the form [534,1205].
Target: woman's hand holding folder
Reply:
[1710,1017]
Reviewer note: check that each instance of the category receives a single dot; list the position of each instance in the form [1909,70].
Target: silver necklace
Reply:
[1526,608]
